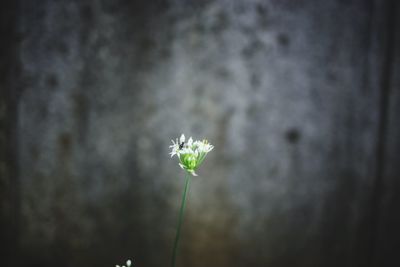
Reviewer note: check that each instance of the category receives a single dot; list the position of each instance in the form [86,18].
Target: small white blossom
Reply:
[191,153]
[128,264]
[182,138]
[190,142]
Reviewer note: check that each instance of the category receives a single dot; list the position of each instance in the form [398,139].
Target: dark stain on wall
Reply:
[292,135]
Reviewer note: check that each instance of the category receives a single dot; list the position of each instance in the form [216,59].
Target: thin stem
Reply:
[181,212]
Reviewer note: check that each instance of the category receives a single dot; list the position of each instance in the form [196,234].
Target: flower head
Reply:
[128,264]
[191,153]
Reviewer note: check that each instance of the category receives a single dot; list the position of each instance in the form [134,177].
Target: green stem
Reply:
[181,212]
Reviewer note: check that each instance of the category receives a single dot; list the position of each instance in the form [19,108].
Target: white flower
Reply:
[128,264]
[177,146]
[190,142]
[182,139]
[190,154]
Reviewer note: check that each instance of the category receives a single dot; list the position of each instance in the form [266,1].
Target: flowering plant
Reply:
[190,154]
[128,264]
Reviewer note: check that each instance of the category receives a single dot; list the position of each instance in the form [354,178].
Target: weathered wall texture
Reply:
[300,99]
[9,193]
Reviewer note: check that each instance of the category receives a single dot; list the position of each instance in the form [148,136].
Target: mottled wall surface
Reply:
[300,99]
[9,193]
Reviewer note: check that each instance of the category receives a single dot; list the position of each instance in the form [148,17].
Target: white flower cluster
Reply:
[191,153]
[128,264]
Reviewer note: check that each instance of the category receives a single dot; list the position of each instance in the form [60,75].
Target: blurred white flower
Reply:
[190,154]
[128,264]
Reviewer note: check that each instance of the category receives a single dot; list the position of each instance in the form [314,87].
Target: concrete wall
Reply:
[299,98]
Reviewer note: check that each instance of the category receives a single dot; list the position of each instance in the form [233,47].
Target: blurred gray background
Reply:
[300,98]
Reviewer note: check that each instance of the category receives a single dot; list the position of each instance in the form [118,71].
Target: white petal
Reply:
[128,263]
[190,141]
[182,139]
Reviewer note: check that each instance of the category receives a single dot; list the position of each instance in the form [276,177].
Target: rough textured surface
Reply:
[291,94]
[388,233]
[9,185]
